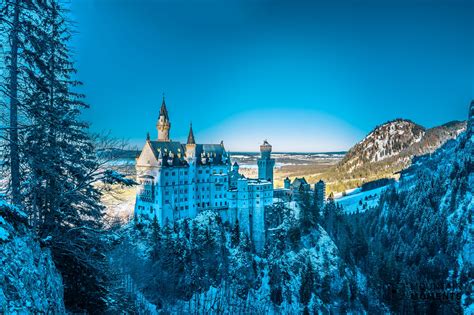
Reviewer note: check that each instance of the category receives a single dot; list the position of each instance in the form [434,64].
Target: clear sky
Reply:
[306,75]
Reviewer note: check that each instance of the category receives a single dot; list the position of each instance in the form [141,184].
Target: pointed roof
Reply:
[191,135]
[163,110]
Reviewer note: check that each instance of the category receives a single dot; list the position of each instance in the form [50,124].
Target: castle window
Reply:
[173,173]
[207,171]
[147,192]
[166,173]
[200,172]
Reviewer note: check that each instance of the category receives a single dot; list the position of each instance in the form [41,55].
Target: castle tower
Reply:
[163,124]
[265,162]
[320,193]
[191,144]
[286,183]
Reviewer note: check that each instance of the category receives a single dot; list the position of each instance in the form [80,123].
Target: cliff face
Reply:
[29,281]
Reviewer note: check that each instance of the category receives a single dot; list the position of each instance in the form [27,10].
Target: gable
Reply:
[147,156]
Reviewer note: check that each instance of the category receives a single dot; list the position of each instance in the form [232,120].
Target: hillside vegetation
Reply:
[386,150]
[420,236]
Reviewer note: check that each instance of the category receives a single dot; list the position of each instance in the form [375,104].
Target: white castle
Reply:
[180,180]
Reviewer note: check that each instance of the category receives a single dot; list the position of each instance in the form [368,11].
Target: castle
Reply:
[294,190]
[179,180]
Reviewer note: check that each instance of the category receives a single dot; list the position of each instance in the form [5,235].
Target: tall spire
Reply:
[163,110]
[163,124]
[191,135]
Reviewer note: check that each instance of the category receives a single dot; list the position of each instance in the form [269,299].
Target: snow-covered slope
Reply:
[396,142]
[423,228]
[360,201]
[29,281]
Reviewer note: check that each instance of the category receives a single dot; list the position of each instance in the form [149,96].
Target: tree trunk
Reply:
[13,90]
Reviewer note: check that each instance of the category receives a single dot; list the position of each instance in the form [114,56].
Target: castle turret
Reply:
[286,183]
[265,162]
[320,193]
[163,124]
[191,144]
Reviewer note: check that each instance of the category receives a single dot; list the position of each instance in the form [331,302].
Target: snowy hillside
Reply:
[422,229]
[360,201]
[400,139]
[386,150]
[205,266]
[29,281]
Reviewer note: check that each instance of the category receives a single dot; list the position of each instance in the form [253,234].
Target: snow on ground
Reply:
[360,200]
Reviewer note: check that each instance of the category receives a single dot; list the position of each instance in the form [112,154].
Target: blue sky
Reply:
[306,75]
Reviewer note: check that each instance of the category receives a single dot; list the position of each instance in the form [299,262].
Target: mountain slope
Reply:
[388,149]
[422,231]
[385,141]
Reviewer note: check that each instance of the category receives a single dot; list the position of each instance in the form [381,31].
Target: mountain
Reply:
[422,232]
[390,148]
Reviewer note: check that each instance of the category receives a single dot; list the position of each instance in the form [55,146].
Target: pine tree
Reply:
[235,237]
[307,215]
[276,292]
[155,240]
[10,25]
[307,283]
[16,19]
[63,166]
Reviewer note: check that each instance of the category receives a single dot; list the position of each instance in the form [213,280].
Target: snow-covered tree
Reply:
[64,205]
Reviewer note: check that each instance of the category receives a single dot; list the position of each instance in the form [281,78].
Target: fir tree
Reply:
[63,166]
[235,237]
[307,283]
[155,240]
[276,292]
